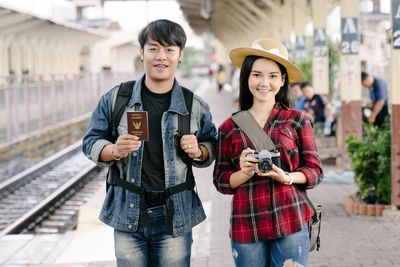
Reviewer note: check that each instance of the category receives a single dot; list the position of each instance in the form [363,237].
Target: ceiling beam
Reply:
[235,13]
[240,12]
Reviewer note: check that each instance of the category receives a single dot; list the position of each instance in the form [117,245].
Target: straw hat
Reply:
[270,49]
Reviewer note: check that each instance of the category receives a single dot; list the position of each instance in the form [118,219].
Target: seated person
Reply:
[318,108]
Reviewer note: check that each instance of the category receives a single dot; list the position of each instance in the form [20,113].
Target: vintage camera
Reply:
[266,159]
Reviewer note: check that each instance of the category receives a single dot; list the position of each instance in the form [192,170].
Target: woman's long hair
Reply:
[245,96]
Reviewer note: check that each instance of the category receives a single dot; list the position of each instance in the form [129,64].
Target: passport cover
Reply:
[138,124]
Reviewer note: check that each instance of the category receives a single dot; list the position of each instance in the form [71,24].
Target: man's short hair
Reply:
[364,76]
[304,84]
[165,32]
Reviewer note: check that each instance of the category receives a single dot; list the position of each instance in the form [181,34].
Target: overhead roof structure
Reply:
[235,21]
[17,23]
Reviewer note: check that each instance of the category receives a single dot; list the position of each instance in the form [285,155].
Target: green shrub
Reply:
[371,161]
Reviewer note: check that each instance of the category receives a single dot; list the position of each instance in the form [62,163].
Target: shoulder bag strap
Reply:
[250,127]
[261,140]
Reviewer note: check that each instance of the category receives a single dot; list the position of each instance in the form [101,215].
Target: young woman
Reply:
[269,219]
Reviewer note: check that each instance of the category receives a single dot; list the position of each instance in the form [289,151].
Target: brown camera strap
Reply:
[250,127]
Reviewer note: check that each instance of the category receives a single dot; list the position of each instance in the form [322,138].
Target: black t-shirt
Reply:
[153,173]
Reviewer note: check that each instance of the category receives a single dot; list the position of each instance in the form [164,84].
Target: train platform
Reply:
[346,239]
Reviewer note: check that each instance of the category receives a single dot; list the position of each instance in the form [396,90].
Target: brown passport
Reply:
[138,124]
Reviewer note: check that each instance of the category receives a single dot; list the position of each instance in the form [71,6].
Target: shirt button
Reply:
[129,226]
[132,180]
[134,154]
[131,205]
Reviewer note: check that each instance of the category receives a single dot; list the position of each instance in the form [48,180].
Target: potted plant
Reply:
[371,162]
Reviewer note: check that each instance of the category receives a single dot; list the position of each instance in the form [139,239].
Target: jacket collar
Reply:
[177,100]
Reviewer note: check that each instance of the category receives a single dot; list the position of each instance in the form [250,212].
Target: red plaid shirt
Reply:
[262,208]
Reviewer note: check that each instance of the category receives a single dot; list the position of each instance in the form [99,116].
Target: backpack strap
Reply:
[184,125]
[184,120]
[189,184]
[123,96]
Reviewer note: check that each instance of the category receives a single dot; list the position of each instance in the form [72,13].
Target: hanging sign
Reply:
[350,43]
[300,47]
[320,48]
[396,23]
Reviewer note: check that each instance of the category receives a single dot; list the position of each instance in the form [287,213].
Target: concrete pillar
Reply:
[3,61]
[15,56]
[320,52]
[287,27]
[350,77]
[27,59]
[39,59]
[300,20]
[395,96]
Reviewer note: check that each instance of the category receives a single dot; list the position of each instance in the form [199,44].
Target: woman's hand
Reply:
[248,165]
[276,173]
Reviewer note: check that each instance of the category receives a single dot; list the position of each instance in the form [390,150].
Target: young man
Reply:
[379,97]
[153,221]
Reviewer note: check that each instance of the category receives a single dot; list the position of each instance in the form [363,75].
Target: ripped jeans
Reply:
[291,250]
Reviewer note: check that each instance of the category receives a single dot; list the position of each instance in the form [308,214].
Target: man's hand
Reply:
[125,144]
[190,145]
[371,119]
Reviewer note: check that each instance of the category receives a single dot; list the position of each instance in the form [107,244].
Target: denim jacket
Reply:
[121,207]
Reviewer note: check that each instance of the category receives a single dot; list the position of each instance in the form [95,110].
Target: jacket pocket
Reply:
[287,138]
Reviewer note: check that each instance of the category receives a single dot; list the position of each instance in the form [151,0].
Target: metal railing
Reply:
[30,103]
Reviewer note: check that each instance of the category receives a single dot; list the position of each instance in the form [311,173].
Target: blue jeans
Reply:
[150,246]
[294,247]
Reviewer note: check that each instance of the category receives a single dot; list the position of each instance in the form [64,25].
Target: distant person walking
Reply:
[151,202]
[379,97]
[221,77]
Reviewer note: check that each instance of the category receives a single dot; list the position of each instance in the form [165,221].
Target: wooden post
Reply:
[395,96]
[350,77]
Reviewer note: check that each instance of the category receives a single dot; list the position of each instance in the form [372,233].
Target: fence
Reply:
[33,102]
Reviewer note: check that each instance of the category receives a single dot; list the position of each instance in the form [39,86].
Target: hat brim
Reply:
[238,56]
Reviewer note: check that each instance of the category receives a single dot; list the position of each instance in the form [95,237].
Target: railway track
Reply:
[46,197]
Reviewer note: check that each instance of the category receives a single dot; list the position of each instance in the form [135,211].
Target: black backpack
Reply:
[122,99]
